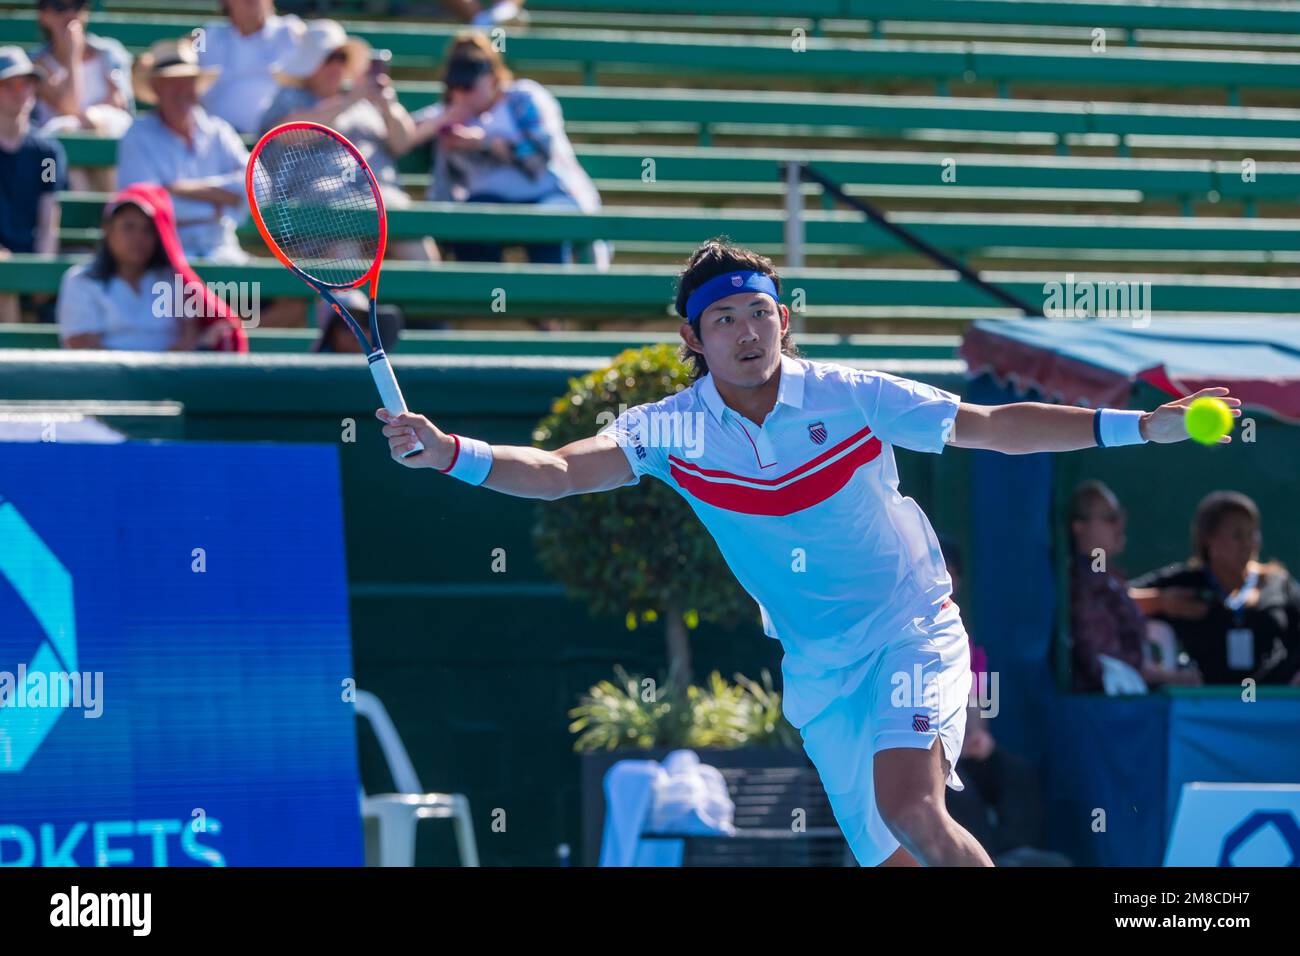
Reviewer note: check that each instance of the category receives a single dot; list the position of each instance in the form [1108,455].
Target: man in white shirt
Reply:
[197,157]
[247,50]
[776,454]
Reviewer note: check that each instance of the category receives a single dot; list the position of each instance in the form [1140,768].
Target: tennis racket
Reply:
[318,207]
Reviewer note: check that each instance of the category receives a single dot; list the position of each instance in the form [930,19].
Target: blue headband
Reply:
[729,283]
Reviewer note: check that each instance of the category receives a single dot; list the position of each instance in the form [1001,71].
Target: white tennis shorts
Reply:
[903,694]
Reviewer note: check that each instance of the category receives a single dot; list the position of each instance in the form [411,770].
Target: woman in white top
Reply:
[247,49]
[124,298]
[86,84]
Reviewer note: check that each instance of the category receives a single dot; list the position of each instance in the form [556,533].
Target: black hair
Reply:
[78,5]
[468,56]
[1214,509]
[715,257]
[1083,499]
[1086,495]
[103,266]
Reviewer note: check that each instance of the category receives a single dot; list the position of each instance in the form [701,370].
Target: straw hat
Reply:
[168,58]
[321,38]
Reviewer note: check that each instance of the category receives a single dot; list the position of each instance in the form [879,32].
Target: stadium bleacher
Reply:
[599,52]
[1141,168]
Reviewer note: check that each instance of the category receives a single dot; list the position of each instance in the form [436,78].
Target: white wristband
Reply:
[471,461]
[1119,427]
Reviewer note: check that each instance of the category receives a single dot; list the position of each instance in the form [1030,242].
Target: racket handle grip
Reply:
[389,392]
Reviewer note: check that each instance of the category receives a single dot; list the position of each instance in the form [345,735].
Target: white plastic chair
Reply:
[1119,678]
[398,813]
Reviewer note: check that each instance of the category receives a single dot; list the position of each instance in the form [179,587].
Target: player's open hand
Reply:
[402,432]
[1165,425]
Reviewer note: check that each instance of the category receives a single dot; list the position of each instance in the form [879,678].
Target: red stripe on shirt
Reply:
[809,490]
[807,466]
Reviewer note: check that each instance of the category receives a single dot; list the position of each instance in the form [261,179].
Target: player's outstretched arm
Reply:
[591,464]
[1022,428]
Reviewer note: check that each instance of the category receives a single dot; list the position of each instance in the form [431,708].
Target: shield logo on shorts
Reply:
[817,432]
[920,723]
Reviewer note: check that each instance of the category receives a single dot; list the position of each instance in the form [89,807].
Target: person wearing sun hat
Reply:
[336,337]
[327,79]
[197,157]
[32,170]
[28,205]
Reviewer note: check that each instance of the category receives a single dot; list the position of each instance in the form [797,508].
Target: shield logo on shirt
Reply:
[817,432]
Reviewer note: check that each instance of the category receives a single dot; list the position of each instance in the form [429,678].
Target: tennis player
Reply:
[790,465]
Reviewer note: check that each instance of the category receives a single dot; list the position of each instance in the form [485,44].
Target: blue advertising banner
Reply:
[175,657]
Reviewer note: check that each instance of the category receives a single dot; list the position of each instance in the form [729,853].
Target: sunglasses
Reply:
[338,56]
[464,74]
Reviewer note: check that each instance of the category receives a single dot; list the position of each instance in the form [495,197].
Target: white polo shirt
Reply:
[136,318]
[806,509]
[246,84]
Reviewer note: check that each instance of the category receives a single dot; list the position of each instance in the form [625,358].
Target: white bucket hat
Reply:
[321,38]
[14,62]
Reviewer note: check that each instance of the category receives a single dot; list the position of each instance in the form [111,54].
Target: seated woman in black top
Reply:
[1252,628]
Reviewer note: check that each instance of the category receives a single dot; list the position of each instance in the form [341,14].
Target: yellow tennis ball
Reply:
[1207,420]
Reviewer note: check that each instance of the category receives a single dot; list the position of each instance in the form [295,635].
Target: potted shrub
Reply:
[598,547]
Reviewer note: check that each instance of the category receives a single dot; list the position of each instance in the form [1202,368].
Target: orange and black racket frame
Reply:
[371,344]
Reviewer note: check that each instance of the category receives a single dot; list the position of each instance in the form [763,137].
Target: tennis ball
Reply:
[1207,420]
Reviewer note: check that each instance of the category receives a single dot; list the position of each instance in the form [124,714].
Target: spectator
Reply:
[487,14]
[199,158]
[955,563]
[87,83]
[1000,805]
[247,48]
[335,336]
[32,170]
[328,80]
[1106,620]
[1252,627]
[981,685]
[501,140]
[129,297]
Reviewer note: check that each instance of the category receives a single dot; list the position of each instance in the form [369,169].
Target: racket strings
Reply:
[318,206]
